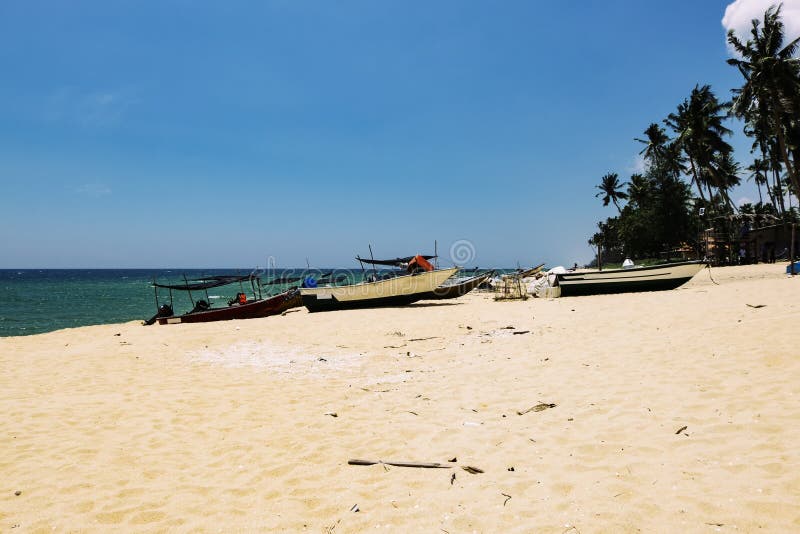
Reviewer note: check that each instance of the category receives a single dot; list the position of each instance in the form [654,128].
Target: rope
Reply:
[708,266]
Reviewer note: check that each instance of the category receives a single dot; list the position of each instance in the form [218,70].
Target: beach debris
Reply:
[469,328]
[331,528]
[332,414]
[452,478]
[412,413]
[681,429]
[18,493]
[453,459]
[507,328]
[422,465]
[511,468]
[507,496]
[355,508]
[424,338]
[397,333]
[756,306]
[520,332]
[538,408]
[321,359]
[118,334]
[289,311]
[394,346]
[472,470]
[716,524]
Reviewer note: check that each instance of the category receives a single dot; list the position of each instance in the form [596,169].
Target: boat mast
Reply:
[374,271]
[187,290]
[155,290]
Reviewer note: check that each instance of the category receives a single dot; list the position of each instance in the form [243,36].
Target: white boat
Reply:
[396,291]
[652,278]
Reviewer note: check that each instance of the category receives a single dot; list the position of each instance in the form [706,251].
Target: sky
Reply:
[236,134]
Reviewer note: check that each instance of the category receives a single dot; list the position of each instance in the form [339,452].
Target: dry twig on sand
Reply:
[538,408]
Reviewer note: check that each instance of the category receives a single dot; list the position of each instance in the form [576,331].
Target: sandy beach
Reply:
[674,411]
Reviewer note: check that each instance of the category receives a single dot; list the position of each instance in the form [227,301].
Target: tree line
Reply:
[689,154]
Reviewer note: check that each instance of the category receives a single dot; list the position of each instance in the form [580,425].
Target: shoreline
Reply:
[229,424]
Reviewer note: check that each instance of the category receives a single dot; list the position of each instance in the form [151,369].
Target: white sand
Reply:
[223,426]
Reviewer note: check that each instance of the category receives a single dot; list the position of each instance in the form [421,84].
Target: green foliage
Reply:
[661,213]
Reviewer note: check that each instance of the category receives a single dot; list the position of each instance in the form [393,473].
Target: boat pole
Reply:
[188,290]
[791,254]
[155,291]
[374,272]
[436,253]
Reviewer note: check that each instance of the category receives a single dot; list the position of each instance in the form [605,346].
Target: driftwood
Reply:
[471,470]
[538,408]
[681,429]
[399,464]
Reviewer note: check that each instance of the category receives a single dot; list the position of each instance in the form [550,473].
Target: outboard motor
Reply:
[200,305]
[165,310]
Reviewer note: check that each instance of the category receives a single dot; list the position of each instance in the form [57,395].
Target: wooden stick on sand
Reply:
[399,464]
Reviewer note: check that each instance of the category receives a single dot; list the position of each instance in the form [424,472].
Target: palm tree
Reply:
[639,190]
[611,189]
[758,173]
[655,142]
[698,123]
[725,175]
[770,96]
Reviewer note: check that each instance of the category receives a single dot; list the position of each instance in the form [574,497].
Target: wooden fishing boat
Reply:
[652,278]
[396,291]
[453,288]
[239,308]
[249,310]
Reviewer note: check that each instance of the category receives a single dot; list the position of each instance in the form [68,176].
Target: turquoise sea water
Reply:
[33,301]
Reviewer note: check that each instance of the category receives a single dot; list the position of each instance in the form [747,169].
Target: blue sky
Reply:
[200,134]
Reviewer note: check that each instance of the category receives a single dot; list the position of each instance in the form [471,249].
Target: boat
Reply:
[396,262]
[651,278]
[525,273]
[457,287]
[238,308]
[395,291]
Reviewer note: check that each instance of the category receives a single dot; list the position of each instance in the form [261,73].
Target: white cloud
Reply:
[95,190]
[638,165]
[743,200]
[96,108]
[740,13]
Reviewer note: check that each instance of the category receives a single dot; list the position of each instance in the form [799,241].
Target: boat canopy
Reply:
[397,262]
[205,283]
[293,279]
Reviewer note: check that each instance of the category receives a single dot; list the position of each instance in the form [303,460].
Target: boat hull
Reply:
[460,289]
[251,310]
[655,278]
[398,291]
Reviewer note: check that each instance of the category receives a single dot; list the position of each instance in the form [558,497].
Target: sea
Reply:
[33,301]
